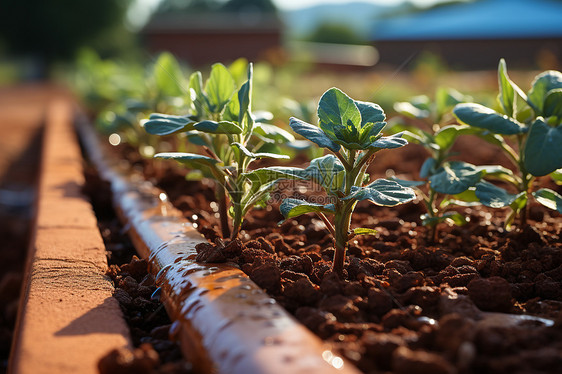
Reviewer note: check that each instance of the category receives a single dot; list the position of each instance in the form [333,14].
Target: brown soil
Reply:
[405,305]
[136,291]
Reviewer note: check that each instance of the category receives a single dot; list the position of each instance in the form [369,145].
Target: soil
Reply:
[480,300]
[136,291]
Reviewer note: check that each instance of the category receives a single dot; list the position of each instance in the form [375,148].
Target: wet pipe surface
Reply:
[225,322]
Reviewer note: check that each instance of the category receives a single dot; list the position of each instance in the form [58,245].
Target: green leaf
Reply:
[542,84]
[245,103]
[196,93]
[455,177]
[274,133]
[337,113]
[506,96]
[446,136]
[553,103]
[159,124]
[409,110]
[465,198]
[328,172]
[493,196]
[457,218]
[447,98]
[295,207]
[428,167]
[168,75]
[549,198]
[222,127]
[219,88]
[370,113]
[364,231]
[382,192]
[542,153]
[249,154]
[406,183]
[190,159]
[480,116]
[314,134]
[389,142]
[557,176]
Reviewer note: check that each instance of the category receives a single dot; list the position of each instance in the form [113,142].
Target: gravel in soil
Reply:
[480,300]
[135,289]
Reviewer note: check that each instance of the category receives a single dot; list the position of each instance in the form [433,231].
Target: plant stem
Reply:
[342,221]
[223,211]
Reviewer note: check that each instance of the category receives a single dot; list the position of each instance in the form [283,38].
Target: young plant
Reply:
[446,183]
[533,121]
[351,130]
[231,137]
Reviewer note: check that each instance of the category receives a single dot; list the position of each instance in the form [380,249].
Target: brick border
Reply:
[68,318]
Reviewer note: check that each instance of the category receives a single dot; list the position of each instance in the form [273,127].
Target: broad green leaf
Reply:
[465,198]
[238,69]
[454,177]
[446,136]
[493,196]
[549,198]
[190,159]
[556,176]
[313,133]
[364,231]
[338,112]
[409,110]
[222,127]
[407,183]
[382,192]
[370,113]
[389,142]
[328,172]
[428,167]
[480,116]
[295,207]
[168,75]
[157,125]
[249,154]
[274,133]
[195,138]
[542,84]
[542,153]
[219,88]
[553,103]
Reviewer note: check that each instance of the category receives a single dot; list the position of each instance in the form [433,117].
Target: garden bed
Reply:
[481,300]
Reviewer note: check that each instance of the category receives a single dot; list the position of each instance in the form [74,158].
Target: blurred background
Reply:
[470,35]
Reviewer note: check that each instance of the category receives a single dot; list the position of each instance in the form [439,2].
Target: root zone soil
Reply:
[136,291]
[481,300]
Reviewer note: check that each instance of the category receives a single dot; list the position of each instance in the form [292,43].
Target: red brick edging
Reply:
[68,318]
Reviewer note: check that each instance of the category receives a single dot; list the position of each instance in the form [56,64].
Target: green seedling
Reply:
[351,130]
[533,122]
[162,90]
[445,183]
[231,137]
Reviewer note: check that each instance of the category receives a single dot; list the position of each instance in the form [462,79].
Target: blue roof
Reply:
[484,19]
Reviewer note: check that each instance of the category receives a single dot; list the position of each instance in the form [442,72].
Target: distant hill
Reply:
[358,15]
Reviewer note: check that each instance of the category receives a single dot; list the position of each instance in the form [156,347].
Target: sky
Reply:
[296,4]
[141,9]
